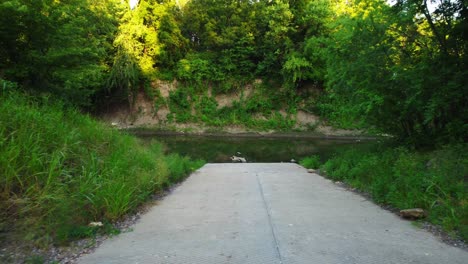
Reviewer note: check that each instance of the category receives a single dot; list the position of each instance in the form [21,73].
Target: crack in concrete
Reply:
[270,221]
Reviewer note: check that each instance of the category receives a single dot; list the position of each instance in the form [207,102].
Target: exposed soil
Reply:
[143,114]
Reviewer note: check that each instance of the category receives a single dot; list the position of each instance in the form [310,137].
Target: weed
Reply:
[312,162]
[180,104]
[35,260]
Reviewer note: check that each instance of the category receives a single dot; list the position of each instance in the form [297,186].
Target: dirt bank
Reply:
[155,114]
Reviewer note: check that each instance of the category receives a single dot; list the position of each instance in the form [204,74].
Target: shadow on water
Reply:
[215,149]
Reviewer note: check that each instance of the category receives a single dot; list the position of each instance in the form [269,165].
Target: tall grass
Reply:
[60,170]
[435,181]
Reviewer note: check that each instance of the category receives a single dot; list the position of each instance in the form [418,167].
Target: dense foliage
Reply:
[401,70]
[56,47]
[148,40]
[60,170]
[397,67]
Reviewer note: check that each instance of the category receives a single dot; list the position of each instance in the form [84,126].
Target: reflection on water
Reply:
[219,149]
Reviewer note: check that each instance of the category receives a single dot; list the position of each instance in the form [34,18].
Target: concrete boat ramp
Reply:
[270,213]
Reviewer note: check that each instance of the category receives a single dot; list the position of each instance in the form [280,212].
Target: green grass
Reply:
[60,170]
[435,181]
[312,162]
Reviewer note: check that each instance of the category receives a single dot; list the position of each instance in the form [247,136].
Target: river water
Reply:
[216,149]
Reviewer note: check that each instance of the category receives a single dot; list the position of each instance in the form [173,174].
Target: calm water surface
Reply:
[217,149]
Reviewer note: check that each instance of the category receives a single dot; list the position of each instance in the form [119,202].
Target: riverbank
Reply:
[162,131]
[248,111]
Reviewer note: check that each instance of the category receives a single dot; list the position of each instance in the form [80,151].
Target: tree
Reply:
[57,48]
[226,30]
[387,67]
[148,39]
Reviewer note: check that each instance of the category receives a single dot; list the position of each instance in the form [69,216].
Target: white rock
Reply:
[95,224]
[238,159]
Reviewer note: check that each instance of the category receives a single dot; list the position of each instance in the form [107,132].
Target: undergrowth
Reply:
[191,103]
[403,178]
[61,170]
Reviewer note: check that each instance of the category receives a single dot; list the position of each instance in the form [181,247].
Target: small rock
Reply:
[311,171]
[293,161]
[415,213]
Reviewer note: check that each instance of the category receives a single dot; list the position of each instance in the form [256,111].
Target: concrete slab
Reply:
[270,213]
